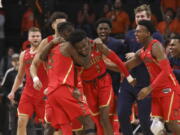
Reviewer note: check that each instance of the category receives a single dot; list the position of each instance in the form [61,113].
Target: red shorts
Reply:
[99,93]
[30,105]
[48,112]
[167,107]
[77,125]
[65,108]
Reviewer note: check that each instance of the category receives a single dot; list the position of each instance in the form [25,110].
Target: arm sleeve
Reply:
[114,58]
[165,71]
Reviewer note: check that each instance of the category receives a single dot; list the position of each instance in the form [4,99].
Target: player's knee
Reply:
[171,125]
[104,119]
[88,123]
[157,127]
[22,122]
[104,115]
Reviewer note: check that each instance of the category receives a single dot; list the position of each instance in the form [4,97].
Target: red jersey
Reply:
[60,69]
[77,77]
[154,69]
[97,66]
[29,89]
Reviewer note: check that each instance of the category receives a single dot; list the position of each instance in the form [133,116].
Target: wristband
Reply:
[35,79]
[130,78]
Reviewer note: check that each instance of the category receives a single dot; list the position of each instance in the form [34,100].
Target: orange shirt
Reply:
[169,4]
[28,20]
[120,23]
[162,26]
[154,20]
[176,26]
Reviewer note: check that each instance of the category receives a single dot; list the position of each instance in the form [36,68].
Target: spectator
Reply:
[165,4]
[153,19]
[165,27]
[120,19]
[174,58]
[28,21]
[106,10]
[10,110]
[103,29]
[167,47]
[86,18]
[5,62]
[176,22]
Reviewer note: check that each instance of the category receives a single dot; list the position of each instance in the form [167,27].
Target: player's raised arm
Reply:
[159,54]
[114,58]
[133,61]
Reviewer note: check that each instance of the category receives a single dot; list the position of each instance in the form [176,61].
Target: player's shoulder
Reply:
[23,52]
[43,43]
[45,40]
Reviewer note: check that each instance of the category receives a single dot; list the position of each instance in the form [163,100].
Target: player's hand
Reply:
[11,96]
[97,41]
[134,82]
[129,55]
[46,91]
[37,83]
[76,93]
[144,92]
[131,80]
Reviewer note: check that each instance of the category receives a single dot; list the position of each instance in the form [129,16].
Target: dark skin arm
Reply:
[159,54]
[49,46]
[134,61]
[36,60]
